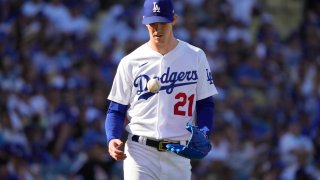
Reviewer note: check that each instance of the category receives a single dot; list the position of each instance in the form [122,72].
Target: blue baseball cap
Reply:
[157,11]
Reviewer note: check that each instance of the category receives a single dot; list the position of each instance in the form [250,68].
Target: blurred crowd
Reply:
[58,59]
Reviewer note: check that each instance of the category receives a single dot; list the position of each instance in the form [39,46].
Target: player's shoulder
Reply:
[191,47]
[190,50]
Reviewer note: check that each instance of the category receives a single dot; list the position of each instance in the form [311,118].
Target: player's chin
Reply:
[158,39]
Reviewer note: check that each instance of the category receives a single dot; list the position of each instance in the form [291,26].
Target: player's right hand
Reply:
[115,151]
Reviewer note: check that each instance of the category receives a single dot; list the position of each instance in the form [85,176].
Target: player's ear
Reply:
[175,18]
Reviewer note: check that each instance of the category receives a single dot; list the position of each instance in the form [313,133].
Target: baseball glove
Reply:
[197,148]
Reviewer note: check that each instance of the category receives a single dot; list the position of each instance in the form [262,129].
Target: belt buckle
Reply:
[161,144]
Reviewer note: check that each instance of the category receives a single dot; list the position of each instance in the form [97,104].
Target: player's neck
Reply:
[165,47]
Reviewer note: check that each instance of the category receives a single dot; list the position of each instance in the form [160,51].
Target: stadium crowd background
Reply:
[58,59]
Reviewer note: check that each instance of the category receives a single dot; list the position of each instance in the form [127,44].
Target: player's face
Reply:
[160,33]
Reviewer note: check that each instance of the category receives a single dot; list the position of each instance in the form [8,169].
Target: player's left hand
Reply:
[197,148]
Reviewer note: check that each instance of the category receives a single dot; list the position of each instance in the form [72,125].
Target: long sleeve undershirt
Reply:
[117,112]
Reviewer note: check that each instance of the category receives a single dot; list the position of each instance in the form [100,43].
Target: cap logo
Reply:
[156,8]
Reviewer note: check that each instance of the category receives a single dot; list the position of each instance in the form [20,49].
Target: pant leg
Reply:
[175,167]
[141,162]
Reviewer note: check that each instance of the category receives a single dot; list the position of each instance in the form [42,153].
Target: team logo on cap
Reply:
[156,8]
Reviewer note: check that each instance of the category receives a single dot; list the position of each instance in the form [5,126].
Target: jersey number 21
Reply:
[183,100]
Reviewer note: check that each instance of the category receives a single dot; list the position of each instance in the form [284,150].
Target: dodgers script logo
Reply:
[169,81]
[156,8]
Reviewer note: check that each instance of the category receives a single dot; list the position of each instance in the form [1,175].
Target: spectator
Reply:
[58,60]
[296,152]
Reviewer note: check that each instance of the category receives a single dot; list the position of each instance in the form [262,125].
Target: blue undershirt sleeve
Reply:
[205,114]
[115,120]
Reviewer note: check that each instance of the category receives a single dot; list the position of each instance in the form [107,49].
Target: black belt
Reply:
[159,145]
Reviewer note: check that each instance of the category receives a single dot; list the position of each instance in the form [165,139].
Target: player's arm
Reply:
[205,114]
[205,92]
[114,127]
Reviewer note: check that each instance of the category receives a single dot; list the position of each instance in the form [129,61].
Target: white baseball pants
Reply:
[147,163]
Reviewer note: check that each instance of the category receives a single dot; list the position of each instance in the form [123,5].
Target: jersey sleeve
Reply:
[122,86]
[205,85]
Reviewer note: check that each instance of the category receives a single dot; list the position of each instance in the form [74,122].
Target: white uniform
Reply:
[185,78]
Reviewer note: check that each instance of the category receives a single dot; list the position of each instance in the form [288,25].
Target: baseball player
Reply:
[163,87]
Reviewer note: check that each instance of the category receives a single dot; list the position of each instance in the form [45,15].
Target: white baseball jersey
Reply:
[185,77]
